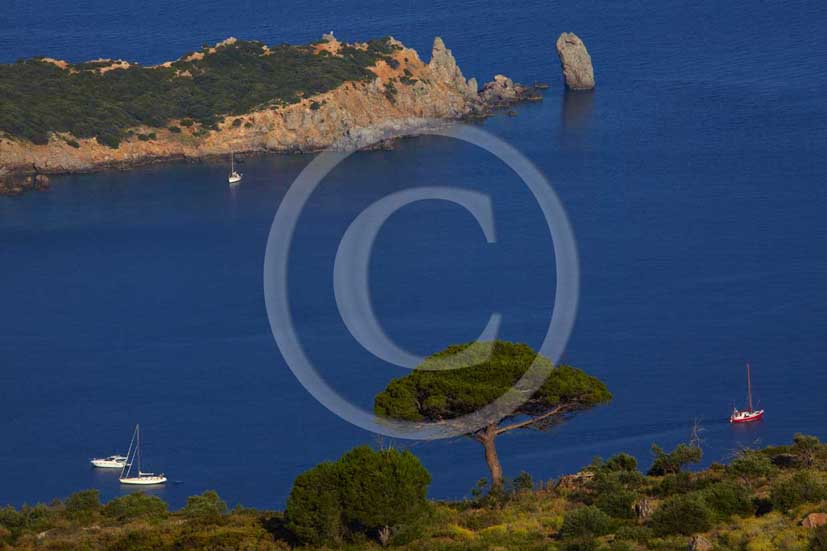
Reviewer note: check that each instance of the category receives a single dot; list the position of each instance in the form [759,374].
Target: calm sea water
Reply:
[693,176]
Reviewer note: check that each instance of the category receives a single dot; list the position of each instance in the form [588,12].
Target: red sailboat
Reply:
[750,414]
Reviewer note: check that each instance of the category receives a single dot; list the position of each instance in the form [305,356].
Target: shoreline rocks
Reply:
[16,184]
[575,62]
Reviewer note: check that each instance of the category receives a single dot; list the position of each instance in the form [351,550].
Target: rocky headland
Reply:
[394,88]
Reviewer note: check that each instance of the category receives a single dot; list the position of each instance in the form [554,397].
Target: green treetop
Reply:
[435,391]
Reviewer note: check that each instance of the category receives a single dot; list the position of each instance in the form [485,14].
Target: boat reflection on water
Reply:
[576,117]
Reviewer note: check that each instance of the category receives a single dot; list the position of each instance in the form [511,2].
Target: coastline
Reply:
[403,90]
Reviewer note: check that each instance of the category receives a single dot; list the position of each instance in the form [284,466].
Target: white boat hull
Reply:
[107,464]
[144,480]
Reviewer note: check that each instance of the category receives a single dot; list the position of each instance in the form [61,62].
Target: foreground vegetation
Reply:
[374,499]
[371,499]
[41,97]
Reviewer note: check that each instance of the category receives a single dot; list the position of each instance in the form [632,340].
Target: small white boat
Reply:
[234,177]
[133,457]
[111,462]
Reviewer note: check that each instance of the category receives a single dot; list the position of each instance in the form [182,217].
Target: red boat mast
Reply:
[749,390]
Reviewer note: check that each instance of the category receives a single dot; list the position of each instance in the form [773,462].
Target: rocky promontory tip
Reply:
[444,66]
[576,62]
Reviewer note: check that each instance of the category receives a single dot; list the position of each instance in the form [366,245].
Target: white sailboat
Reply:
[234,177]
[133,457]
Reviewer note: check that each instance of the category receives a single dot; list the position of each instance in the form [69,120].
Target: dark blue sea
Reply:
[694,177]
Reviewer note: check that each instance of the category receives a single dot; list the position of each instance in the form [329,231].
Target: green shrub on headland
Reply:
[208,507]
[672,462]
[135,506]
[586,522]
[682,514]
[40,98]
[362,493]
[802,487]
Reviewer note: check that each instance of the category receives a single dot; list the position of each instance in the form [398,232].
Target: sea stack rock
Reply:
[444,67]
[575,61]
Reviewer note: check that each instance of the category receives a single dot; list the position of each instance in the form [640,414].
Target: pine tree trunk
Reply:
[486,437]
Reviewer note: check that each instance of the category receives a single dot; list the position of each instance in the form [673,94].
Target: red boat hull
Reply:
[749,418]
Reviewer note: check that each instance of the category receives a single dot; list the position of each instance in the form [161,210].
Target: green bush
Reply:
[208,507]
[619,503]
[682,514]
[751,466]
[136,505]
[802,487]
[523,482]
[585,522]
[727,499]
[175,129]
[620,462]
[11,520]
[607,481]
[805,448]
[362,492]
[37,518]
[674,461]
[381,488]
[679,483]
[314,511]
[819,540]
[108,138]
[82,505]
[640,534]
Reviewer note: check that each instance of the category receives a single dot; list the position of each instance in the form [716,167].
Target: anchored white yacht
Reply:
[111,462]
[234,177]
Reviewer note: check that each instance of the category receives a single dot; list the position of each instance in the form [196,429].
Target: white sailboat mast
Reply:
[127,466]
[138,447]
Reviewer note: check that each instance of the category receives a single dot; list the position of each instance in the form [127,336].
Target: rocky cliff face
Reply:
[403,90]
[576,62]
